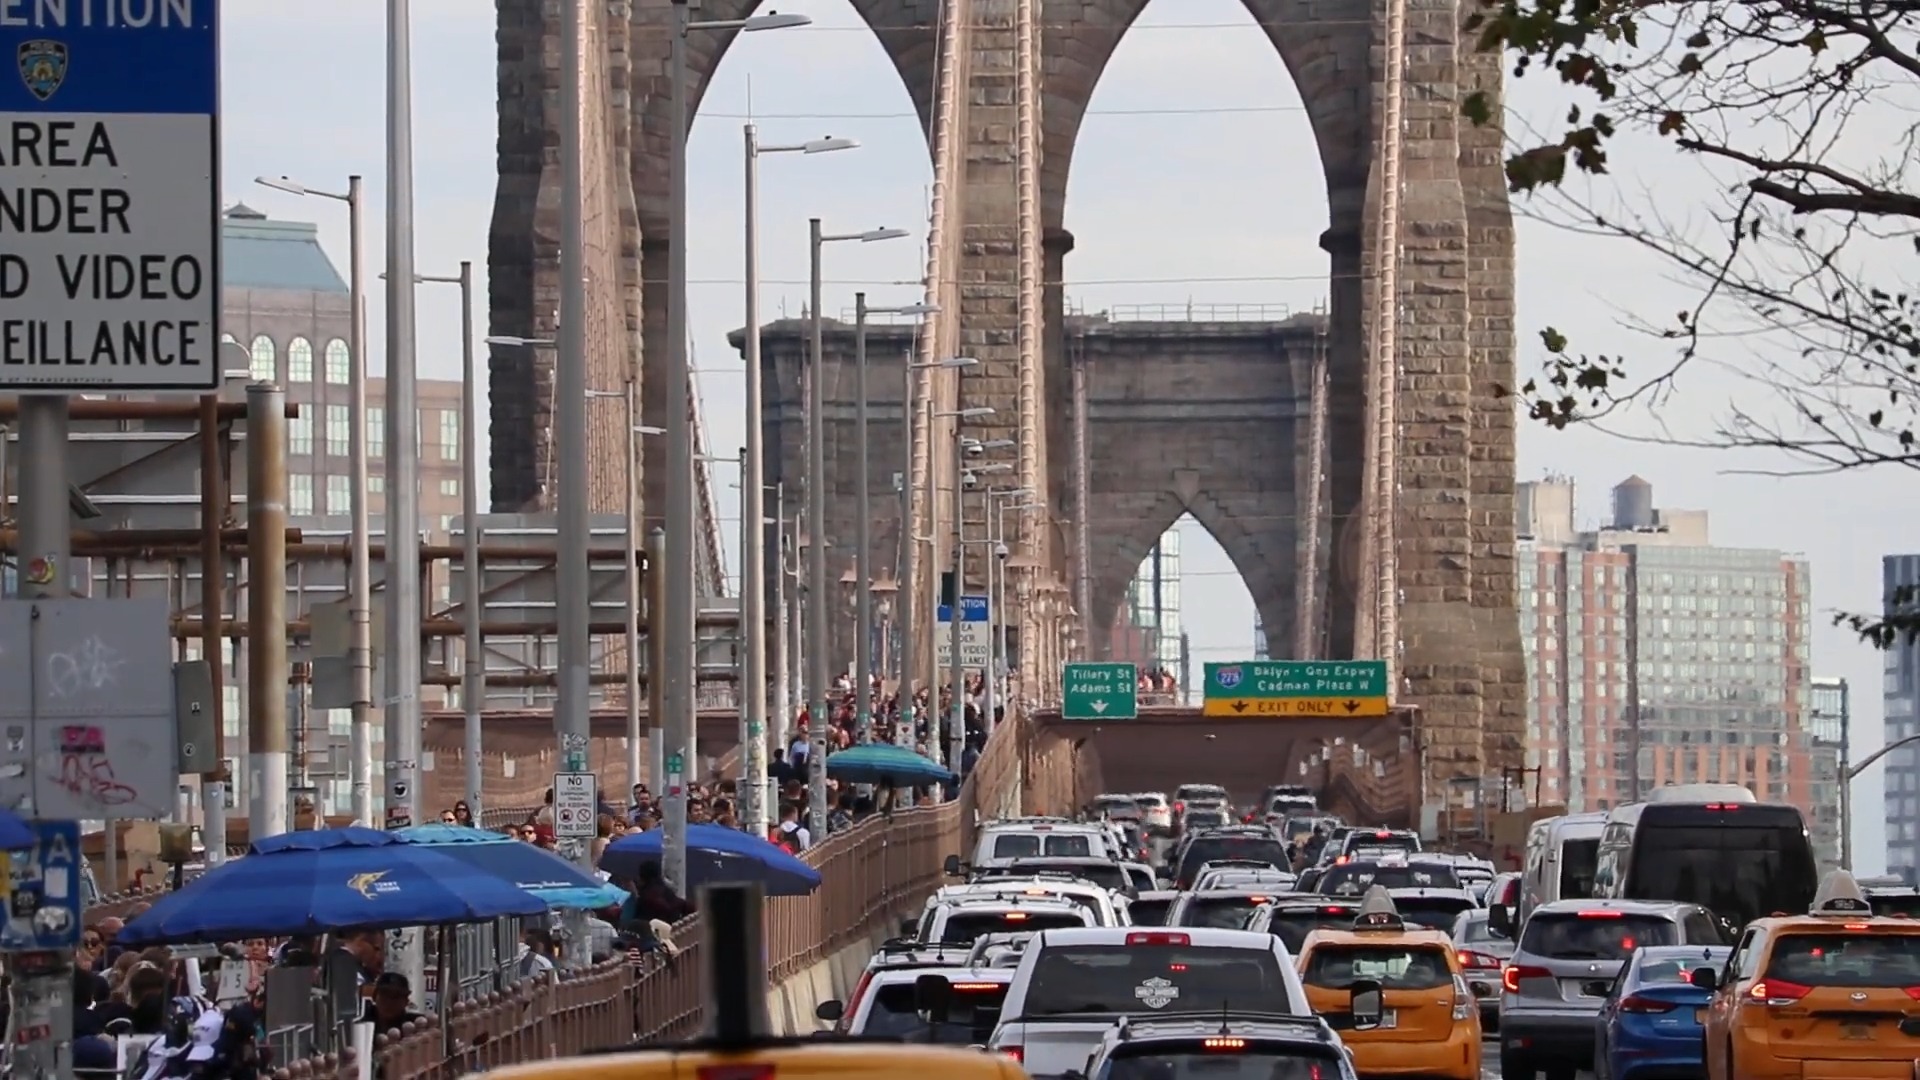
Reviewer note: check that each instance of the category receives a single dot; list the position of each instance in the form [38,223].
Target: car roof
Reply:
[1235,890]
[954,973]
[1204,937]
[1301,901]
[1422,892]
[1630,907]
[1156,894]
[1011,903]
[1680,952]
[1033,886]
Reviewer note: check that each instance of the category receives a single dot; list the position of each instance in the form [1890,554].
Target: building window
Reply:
[300,494]
[450,488]
[300,433]
[339,362]
[449,435]
[300,361]
[376,432]
[260,359]
[337,430]
[376,484]
[339,494]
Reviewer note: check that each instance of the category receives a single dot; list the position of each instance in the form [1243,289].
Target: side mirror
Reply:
[829,1011]
[952,866]
[1500,919]
[933,998]
[1705,978]
[1368,1004]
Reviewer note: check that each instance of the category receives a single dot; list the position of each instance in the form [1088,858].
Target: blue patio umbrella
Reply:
[885,763]
[16,833]
[289,886]
[323,839]
[546,875]
[716,855]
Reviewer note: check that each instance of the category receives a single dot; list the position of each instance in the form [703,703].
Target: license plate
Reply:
[1856,1031]
[1389,1019]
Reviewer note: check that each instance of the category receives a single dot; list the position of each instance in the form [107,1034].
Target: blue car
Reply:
[1649,1025]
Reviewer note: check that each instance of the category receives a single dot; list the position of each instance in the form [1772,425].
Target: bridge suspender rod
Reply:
[1384,510]
[1032,449]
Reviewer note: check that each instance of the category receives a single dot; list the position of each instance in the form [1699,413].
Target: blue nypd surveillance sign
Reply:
[109,195]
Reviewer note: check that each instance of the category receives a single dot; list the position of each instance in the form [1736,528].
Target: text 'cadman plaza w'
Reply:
[109,195]
[1296,688]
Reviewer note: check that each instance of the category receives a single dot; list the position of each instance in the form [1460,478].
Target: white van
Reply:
[1562,854]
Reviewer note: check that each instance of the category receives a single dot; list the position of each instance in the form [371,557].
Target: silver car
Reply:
[1568,955]
[1483,951]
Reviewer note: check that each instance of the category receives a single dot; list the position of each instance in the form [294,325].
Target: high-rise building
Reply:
[1655,657]
[1900,689]
[1828,723]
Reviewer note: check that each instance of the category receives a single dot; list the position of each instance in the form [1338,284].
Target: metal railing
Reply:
[1198,313]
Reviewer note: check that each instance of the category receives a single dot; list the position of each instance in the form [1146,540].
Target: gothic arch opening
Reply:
[1184,604]
[1196,203]
[832,78]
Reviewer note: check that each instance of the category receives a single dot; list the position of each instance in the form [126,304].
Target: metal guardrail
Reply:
[1198,313]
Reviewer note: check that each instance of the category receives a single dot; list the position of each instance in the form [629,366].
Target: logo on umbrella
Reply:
[373,884]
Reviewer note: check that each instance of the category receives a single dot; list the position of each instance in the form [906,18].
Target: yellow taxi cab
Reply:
[738,1045]
[1428,1023]
[1830,995]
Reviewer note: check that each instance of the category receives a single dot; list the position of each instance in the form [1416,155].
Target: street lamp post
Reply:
[677,621]
[360,572]
[753,490]
[821,630]
[1846,794]
[956,691]
[863,524]
[473,665]
[997,502]
[910,544]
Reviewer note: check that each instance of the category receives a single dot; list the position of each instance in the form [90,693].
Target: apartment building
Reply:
[1656,657]
[1900,689]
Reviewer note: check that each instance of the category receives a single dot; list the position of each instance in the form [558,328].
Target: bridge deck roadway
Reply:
[1167,746]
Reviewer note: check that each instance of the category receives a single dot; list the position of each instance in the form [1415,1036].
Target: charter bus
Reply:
[1708,844]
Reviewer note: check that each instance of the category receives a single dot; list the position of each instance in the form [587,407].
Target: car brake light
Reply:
[1179,806]
[1383,835]
[1724,807]
[735,1072]
[1015,1054]
[1778,990]
[1469,958]
[1218,1043]
[1636,1004]
[975,988]
[1256,899]
[1159,939]
[1341,861]
[1336,911]
[1602,914]
[1856,926]
[1511,975]
[1914,992]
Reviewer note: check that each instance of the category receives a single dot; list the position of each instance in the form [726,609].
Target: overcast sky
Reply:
[1195,180]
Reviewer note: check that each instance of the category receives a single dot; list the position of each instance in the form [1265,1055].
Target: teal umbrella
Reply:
[546,875]
[885,763]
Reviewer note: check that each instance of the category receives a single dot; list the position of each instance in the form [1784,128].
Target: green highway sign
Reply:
[1099,692]
[1333,688]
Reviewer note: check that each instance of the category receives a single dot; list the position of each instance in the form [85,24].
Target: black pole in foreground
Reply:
[736,963]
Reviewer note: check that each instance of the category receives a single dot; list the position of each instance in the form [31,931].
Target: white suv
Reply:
[1072,985]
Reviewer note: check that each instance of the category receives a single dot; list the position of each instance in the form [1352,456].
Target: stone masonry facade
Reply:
[1463,662]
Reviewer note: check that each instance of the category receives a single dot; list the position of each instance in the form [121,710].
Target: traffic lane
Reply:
[1490,1065]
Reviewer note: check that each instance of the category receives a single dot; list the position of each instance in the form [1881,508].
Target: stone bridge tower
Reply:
[1462,658]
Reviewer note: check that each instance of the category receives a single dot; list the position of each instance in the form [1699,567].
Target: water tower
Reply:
[1633,504]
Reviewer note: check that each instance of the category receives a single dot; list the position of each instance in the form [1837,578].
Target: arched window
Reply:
[339,361]
[300,361]
[260,364]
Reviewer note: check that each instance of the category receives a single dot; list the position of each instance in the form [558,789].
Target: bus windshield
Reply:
[1578,860]
[1740,862]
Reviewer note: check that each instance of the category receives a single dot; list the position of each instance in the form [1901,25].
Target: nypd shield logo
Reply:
[43,66]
